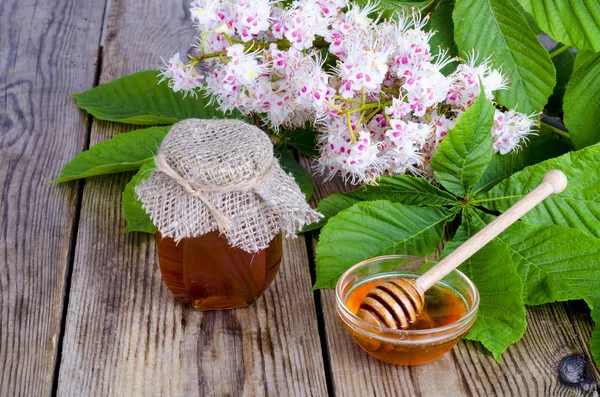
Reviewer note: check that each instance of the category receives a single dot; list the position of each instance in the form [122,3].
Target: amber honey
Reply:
[443,307]
[209,274]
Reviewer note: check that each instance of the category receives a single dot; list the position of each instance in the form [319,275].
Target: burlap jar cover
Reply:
[221,174]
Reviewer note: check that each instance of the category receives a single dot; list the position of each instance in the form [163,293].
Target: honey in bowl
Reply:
[448,314]
[442,306]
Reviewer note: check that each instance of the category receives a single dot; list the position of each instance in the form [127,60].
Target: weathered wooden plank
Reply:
[528,368]
[125,333]
[47,51]
[579,315]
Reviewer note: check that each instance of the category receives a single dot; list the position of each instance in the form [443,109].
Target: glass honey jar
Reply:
[209,274]
[221,203]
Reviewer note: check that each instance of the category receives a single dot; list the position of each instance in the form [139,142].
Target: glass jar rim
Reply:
[377,330]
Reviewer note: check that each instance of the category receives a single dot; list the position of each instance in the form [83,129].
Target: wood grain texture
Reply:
[579,314]
[529,368]
[48,50]
[126,334]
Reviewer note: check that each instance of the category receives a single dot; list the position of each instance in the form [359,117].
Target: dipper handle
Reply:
[554,182]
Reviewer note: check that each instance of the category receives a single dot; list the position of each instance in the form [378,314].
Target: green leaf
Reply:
[124,152]
[302,177]
[376,228]
[582,57]
[331,206]
[501,317]
[563,63]
[582,102]
[140,99]
[407,190]
[304,140]
[137,218]
[532,25]
[578,206]
[496,28]
[540,148]
[403,189]
[550,265]
[441,22]
[465,153]
[572,22]
[390,8]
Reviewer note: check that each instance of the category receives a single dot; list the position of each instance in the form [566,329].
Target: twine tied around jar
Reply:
[222,175]
[197,190]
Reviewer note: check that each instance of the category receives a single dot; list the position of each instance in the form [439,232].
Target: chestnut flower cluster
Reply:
[372,87]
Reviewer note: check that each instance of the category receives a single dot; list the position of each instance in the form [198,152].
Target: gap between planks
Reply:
[118,338]
[46,55]
[77,215]
[308,239]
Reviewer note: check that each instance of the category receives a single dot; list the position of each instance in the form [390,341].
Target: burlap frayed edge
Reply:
[256,220]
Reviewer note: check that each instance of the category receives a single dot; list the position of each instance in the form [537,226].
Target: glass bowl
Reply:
[403,347]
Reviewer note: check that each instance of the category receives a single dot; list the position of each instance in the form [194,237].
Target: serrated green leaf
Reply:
[578,206]
[540,148]
[501,317]
[124,152]
[496,28]
[563,63]
[572,22]
[403,189]
[330,206]
[530,22]
[441,22]
[407,190]
[137,218]
[375,228]
[582,57]
[552,267]
[582,102]
[302,177]
[466,151]
[140,99]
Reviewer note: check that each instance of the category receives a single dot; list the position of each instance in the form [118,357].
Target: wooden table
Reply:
[84,311]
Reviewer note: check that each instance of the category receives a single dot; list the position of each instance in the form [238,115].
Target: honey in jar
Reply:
[209,274]
[443,307]
[220,202]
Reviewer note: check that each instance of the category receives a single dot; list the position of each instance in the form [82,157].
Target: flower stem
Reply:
[559,49]
[347,99]
[360,118]
[211,55]
[371,105]
[259,46]
[331,105]
[373,113]
[557,131]
[228,38]
[352,134]
[387,119]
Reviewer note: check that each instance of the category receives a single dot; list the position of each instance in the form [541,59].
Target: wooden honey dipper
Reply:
[397,304]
